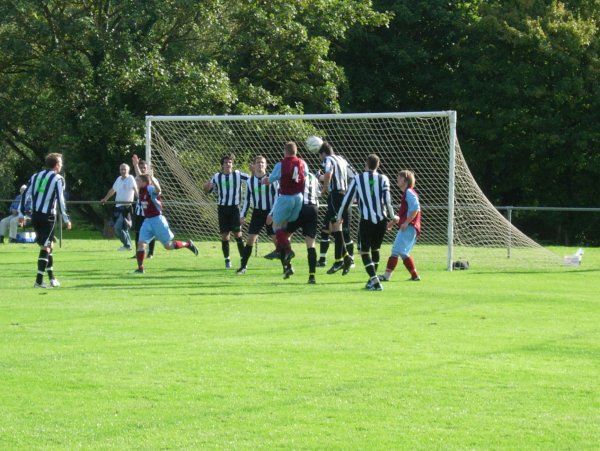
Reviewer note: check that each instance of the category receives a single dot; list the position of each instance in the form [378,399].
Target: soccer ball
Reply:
[313,143]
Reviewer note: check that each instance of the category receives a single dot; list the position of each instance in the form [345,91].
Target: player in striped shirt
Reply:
[308,221]
[409,224]
[228,186]
[261,198]
[372,190]
[336,172]
[46,189]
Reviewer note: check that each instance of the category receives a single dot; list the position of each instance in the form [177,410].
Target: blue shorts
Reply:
[404,242]
[287,208]
[156,227]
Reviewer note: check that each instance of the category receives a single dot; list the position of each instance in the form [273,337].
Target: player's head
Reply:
[144,167]
[54,161]
[227,162]
[143,180]
[407,177]
[372,162]
[259,165]
[290,149]
[22,189]
[124,170]
[325,150]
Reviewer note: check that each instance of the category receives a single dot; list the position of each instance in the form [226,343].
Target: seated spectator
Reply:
[11,223]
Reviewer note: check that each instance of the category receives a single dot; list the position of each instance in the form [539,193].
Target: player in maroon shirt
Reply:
[155,225]
[290,173]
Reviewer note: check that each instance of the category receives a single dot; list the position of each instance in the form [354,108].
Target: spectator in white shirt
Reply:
[125,189]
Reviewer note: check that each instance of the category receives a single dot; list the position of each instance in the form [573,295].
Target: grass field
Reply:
[191,356]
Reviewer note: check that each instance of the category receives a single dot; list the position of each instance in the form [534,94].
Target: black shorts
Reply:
[370,236]
[229,218]
[258,221]
[44,226]
[138,220]
[334,201]
[308,221]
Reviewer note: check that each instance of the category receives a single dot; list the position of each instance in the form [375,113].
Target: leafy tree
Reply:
[79,76]
[532,121]
[523,76]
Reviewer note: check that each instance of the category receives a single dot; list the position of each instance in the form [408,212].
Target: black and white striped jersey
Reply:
[46,189]
[259,196]
[311,189]
[372,190]
[229,187]
[340,170]
[138,209]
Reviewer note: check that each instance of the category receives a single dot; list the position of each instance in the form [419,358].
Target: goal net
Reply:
[458,222]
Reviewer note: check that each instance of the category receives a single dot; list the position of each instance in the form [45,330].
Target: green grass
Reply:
[191,356]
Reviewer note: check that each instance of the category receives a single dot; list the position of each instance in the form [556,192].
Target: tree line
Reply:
[524,75]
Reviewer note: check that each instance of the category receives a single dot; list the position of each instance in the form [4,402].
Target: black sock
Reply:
[151,245]
[225,249]
[42,264]
[375,258]
[324,245]
[246,255]
[240,245]
[340,248]
[348,242]
[369,266]
[312,260]
[49,268]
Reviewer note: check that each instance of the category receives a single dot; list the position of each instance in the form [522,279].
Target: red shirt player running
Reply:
[290,173]
[155,225]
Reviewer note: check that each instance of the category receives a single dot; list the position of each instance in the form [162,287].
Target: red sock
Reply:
[283,243]
[410,265]
[179,244]
[391,263]
[140,259]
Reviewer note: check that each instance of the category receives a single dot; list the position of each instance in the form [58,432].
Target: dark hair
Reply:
[144,178]
[372,161]
[227,157]
[326,149]
[52,160]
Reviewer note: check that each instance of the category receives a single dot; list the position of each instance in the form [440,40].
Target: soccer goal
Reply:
[458,221]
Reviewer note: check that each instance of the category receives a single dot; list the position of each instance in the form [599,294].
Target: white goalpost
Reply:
[458,220]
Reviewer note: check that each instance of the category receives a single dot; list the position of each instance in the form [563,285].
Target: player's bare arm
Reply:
[135,162]
[208,186]
[395,220]
[409,218]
